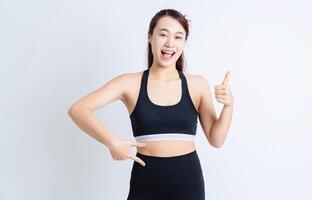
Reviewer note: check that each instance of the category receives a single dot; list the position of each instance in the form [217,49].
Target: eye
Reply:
[161,34]
[179,37]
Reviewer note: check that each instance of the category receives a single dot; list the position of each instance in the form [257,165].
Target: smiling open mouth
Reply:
[167,54]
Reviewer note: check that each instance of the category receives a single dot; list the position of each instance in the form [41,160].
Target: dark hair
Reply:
[181,19]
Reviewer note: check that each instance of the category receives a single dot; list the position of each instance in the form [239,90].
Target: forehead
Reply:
[169,23]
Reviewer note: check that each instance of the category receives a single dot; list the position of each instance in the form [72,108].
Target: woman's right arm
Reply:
[81,113]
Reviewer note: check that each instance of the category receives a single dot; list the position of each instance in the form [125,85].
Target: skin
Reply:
[163,89]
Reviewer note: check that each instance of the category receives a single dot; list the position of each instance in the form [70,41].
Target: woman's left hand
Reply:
[223,92]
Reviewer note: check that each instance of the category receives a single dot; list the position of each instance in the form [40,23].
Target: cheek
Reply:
[156,51]
[180,48]
[156,46]
[159,43]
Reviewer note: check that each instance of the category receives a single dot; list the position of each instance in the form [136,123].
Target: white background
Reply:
[54,52]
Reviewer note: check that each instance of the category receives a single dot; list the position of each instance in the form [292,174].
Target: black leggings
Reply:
[167,178]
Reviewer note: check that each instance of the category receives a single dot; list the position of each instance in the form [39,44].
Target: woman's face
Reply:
[167,41]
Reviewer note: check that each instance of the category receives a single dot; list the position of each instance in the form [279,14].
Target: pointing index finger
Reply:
[137,159]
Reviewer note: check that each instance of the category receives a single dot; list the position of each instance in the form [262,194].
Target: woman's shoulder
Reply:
[128,79]
[132,76]
[196,79]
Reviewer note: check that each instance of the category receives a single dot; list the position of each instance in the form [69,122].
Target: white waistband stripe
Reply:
[165,136]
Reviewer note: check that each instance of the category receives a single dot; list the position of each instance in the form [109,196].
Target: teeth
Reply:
[168,52]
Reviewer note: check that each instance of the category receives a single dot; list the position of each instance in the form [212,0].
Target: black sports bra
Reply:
[152,122]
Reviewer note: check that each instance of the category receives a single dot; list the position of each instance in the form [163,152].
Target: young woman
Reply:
[163,105]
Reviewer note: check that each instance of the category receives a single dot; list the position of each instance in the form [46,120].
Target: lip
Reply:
[165,58]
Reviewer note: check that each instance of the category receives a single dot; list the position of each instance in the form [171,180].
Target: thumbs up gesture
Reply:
[223,92]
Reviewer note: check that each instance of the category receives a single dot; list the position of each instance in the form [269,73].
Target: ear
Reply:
[149,38]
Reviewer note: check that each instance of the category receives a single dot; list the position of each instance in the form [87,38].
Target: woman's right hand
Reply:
[120,150]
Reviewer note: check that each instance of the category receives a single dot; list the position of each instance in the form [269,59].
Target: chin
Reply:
[167,63]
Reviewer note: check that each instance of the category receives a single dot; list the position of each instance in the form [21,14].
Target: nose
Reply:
[169,42]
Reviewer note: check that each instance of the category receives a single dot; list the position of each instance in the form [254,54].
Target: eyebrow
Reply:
[164,29]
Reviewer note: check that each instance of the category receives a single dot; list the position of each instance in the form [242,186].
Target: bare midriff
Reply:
[167,148]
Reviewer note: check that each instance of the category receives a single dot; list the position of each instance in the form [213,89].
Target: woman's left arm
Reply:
[221,126]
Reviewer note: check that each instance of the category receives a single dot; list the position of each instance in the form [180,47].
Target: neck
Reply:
[163,73]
